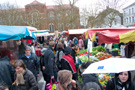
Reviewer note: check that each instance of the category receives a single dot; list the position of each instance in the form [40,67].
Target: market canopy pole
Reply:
[89,49]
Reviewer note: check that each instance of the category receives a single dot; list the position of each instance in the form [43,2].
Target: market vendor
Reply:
[89,77]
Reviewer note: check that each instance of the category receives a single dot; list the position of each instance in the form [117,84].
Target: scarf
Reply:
[122,86]
[19,78]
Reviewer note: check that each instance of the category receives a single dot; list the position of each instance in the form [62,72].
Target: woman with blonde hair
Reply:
[65,81]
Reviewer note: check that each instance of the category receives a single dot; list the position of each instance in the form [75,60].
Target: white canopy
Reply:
[77,31]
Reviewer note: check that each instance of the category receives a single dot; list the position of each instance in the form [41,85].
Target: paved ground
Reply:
[41,82]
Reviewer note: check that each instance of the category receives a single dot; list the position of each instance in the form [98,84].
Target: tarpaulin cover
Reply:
[40,33]
[112,35]
[13,32]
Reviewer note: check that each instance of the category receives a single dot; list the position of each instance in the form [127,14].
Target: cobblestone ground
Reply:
[41,82]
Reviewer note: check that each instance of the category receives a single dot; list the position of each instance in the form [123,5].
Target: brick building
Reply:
[54,17]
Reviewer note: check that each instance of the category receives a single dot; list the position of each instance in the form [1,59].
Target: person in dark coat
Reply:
[73,53]
[6,72]
[122,81]
[42,66]
[85,43]
[67,62]
[129,49]
[49,63]
[24,78]
[89,77]
[91,86]
[59,54]
[31,60]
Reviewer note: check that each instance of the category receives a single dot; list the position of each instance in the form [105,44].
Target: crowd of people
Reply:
[57,61]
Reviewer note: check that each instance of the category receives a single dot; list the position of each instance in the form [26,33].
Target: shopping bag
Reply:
[54,85]
[51,85]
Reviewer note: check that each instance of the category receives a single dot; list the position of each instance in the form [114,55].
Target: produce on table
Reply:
[82,51]
[102,55]
[94,52]
[116,49]
[85,58]
[99,49]
[104,78]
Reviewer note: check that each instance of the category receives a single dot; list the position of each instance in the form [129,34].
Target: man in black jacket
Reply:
[73,53]
[50,70]
[6,72]
[31,60]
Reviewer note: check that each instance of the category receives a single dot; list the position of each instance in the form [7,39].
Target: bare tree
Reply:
[88,16]
[110,10]
[70,16]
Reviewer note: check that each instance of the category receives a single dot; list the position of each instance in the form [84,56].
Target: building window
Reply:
[61,26]
[129,19]
[51,15]
[125,21]
[124,13]
[51,27]
[68,13]
[132,19]
[132,10]
[129,11]
[35,17]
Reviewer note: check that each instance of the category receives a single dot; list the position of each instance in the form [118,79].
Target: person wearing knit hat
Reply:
[67,62]
[67,50]
[65,80]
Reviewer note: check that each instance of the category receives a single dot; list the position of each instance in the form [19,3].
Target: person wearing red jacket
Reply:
[67,62]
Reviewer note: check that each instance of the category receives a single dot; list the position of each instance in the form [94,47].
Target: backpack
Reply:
[58,62]
[75,41]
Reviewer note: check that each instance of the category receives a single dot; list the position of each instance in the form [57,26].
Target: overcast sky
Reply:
[81,3]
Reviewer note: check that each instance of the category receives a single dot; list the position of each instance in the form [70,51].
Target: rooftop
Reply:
[129,5]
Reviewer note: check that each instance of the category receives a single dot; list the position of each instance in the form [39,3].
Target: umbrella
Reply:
[111,65]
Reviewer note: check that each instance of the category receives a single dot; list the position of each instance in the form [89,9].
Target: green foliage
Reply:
[94,52]
[84,58]
[82,51]
[115,49]
[97,49]
[100,48]
[80,79]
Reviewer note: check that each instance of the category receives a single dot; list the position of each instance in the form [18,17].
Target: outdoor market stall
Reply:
[40,34]
[76,32]
[9,36]
[111,35]
[105,35]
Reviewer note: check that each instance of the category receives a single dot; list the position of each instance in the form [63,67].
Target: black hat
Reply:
[67,50]
[72,45]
